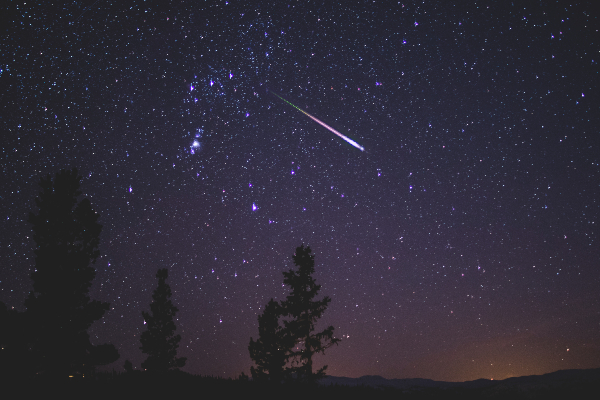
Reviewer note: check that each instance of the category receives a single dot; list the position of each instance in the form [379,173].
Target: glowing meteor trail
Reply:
[324,125]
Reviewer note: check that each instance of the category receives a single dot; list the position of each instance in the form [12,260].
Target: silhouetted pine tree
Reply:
[271,350]
[304,312]
[159,341]
[59,309]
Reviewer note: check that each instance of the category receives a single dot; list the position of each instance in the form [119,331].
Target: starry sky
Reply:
[462,243]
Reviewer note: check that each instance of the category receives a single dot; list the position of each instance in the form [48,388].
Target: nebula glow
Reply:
[324,125]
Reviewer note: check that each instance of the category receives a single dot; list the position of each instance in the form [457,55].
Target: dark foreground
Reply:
[180,385]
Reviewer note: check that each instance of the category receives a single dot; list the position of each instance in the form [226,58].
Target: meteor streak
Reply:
[324,125]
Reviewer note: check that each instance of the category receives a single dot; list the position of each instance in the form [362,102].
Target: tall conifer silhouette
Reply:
[159,340]
[304,311]
[283,352]
[59,309]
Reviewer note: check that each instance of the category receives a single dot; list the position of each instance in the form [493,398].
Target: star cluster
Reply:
[461,244]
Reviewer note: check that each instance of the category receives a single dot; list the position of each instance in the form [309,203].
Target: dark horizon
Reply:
[461,244]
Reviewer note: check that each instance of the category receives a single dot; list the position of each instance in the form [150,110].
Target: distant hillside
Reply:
[557,383]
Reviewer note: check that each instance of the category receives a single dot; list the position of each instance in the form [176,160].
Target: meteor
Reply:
[323,124]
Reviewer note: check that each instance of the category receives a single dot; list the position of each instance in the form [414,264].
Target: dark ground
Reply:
[182,385]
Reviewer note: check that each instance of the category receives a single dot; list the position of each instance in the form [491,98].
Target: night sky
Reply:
[462,243]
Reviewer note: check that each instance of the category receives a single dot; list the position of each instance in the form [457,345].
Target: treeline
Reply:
[50,338]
